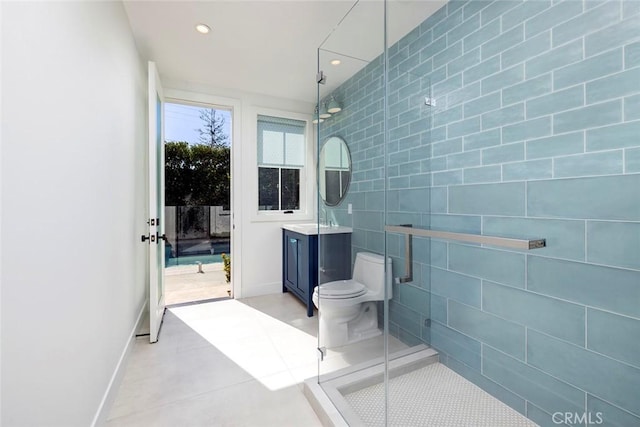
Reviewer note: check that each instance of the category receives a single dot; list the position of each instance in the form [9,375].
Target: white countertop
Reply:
[311,229]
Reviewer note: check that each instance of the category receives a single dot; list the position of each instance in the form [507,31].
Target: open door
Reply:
[156,203]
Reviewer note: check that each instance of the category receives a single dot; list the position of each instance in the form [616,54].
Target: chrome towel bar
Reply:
[506,242]
[408,230]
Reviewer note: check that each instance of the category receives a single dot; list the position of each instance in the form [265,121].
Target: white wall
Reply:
[1,121]
[73,198]
[256,245]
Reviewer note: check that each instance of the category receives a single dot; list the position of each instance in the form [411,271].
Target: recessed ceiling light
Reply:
[202,28]
[335,62]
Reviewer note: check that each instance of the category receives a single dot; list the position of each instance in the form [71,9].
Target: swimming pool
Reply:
[193,259]
[191,253]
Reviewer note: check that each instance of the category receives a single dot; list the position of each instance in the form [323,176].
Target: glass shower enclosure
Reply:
[481,161]
[363,331]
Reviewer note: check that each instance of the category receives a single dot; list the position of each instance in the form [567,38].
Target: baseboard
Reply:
[102,413]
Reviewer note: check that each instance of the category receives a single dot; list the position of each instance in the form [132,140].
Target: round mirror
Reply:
[335,171]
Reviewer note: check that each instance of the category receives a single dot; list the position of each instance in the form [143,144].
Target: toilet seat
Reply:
[341,289]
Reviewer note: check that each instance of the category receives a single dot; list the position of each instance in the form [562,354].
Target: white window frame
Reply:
[307,173]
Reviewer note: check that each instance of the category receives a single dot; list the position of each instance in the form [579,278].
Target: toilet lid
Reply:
[341,289]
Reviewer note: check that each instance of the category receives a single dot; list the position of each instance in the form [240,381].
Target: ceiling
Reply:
[268,47]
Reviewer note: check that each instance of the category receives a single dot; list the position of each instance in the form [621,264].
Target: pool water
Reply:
[191,252]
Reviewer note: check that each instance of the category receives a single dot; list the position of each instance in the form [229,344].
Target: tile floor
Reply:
[230,363]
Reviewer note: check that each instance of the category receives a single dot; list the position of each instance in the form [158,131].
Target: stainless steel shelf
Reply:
[471,238]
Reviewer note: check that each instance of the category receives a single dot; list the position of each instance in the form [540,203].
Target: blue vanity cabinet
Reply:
[300,265]
[300,272]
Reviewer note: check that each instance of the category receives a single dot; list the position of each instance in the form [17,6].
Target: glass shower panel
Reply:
[543,329]
[385,121]
[409,121]
[408,202]
[351,159]
[474,163]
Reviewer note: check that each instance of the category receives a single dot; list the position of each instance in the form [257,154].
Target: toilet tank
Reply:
[369,270]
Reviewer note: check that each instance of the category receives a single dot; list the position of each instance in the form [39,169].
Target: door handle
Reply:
[152,238]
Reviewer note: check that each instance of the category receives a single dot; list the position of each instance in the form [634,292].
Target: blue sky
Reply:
[181,122]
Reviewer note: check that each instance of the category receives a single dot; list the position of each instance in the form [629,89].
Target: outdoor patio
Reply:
[185,284]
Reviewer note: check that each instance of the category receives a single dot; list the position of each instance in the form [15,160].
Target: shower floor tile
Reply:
[433,396]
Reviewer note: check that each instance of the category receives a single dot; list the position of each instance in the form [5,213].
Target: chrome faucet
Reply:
[326,218]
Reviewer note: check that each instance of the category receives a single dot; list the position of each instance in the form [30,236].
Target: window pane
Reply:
[290,189]
[268,189]
[281,158]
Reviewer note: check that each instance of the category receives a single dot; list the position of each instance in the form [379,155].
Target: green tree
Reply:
[211,177]
[212,131]
[197,175]
[178,173]
[200,174]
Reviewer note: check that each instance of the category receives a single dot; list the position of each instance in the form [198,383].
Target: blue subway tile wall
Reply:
[486,384]
[499,333]
[591,285]
[609,334]
[615,416]
[561,319]
[535,134]
[609,379]
[535,386]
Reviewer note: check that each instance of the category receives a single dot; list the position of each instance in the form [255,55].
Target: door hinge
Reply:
[321,78]
[322,352]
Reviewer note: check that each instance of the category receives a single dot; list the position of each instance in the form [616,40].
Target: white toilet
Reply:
[348,311]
